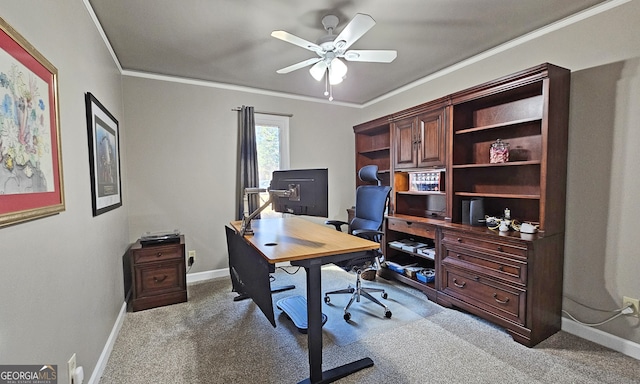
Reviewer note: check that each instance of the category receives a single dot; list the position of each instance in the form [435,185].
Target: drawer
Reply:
[489,242]
[155,254]
[412,227]
[160,278]
[499,299]
[509,269]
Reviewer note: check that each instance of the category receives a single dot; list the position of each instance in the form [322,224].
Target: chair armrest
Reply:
[368,234]
[336,223]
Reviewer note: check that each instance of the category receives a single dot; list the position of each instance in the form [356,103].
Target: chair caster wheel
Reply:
[384,295]
[387,314]
[327,300]
[347,316]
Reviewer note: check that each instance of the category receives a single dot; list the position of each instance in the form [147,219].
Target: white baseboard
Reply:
[207,275]
[108,347]
[605,339]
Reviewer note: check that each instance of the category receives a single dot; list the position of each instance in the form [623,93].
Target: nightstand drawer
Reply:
[508,269]
[157,279]
[411,227]
[155,254]
[486,243]
[499,299]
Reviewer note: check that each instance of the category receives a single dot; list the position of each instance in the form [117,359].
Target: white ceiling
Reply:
[229,42]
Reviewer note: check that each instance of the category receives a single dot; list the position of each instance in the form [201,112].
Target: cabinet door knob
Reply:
[499,249]
[160,280]
[459,240]
[455,282]
[458,256]
[159,254]
[495,297]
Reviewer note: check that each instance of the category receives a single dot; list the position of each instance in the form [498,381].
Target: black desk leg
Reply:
[314,334]
[314,319]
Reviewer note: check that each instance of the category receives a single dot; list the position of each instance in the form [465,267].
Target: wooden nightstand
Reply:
[158,275]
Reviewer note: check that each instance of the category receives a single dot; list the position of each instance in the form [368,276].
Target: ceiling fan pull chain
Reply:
[326,84]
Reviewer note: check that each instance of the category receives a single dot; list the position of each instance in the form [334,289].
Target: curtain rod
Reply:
[238,109]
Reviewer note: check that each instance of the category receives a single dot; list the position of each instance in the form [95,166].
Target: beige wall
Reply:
[182,150]
[61,276]
[602,248]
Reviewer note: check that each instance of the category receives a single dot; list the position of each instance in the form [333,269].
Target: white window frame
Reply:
[282,122]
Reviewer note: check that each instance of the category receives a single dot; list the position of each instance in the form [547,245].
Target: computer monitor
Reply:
[307,192]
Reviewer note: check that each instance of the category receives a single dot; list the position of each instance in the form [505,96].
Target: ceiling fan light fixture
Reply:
[317,70]
[338,68]
[334,80]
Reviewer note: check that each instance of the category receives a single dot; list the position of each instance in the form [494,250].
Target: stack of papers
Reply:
[407,245]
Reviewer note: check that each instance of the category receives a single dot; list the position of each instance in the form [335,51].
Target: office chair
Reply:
[371,202]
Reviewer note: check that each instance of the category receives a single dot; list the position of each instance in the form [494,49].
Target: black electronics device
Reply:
[159,238]
[476,211]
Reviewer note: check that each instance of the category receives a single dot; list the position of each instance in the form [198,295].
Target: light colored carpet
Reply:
[212,339]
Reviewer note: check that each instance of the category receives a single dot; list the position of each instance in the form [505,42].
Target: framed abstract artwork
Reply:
[104,157]
[31,184]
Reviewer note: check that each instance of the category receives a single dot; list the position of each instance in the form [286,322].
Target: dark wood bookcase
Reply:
[511,279]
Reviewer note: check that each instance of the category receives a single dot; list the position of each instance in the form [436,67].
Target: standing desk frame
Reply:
[309,245]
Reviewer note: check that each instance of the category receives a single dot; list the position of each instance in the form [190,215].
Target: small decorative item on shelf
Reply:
[499,152]
[426,181]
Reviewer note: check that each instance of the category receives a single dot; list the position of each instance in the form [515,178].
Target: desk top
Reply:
[293,238]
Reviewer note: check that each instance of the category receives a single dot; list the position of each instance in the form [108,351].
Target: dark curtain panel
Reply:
[247,161]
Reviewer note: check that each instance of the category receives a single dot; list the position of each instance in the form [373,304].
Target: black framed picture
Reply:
[104,157]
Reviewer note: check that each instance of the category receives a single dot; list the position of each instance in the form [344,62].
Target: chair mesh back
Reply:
[371,202]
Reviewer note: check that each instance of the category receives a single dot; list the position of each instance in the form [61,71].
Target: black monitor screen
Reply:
[310,195]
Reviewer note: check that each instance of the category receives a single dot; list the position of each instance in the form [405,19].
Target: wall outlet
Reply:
[636,305]
[192,258]
[72,368]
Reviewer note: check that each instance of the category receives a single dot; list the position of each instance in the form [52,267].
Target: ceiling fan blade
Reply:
[376,56]
[357,27]
[293,39]
[299,65]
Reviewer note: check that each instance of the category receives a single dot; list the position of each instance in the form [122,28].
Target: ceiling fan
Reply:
[331,48]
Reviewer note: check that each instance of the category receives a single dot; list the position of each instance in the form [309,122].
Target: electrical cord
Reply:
[290,273]
[593,308]
[620,313]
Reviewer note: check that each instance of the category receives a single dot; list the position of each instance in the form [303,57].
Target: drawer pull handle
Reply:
[501,268]
[159,254]
[458,256]
[476,278]
[495,296]
[159,280]
[499,249]
[459,240]
[455,282]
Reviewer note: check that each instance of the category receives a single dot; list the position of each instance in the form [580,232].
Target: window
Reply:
[272,142]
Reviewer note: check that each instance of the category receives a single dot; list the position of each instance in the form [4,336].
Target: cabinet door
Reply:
[431,139]
[404,137]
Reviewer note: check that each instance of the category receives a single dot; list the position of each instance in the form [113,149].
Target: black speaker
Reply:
[466,211]
[476,211]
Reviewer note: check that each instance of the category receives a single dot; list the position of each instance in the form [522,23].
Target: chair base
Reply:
[357,292]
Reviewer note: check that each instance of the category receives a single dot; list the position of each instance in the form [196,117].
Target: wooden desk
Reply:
[309,245]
